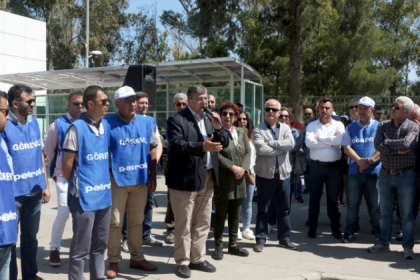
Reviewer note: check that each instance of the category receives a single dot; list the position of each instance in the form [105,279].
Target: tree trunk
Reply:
[295,57]
[393,89]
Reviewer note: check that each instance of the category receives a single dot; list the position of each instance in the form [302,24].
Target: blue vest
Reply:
[63,125]
[130,148]
[8,222]
[154,128]
[362,142]
[23,143]
[93,167]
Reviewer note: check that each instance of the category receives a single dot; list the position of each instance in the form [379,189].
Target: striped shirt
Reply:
[402,138]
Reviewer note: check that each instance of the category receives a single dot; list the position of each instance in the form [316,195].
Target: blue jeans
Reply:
[357,185]
[5,253]
[28,214]
[404,185]
[148,216]
[297,191]
[246,210]
[267,189]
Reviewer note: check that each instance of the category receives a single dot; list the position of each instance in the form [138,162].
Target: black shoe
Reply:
[203,266]
[336,233]
[38,278]
[346,238]
[183,271]
[259,247]
[312,232]
[288,245]
[237,251]
[305,191]
[299,199]
[218,253]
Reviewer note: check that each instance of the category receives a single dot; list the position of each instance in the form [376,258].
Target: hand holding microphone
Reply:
[215,120]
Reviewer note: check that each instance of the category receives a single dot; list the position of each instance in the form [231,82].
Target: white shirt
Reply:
[327,148]
[203,130]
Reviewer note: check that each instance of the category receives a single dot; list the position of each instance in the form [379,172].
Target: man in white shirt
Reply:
[323,138]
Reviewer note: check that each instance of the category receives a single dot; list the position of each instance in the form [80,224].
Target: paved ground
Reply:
[323,254]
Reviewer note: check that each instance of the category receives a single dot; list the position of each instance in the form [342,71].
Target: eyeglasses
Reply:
[224,114]
[78,104]
[104,101]
[180,104]
[353,107]
[5,112]
[200,99]
[128,100]
[396,106]
[308,114]
[30,101]
[283,117]
[242,119]
[272,109]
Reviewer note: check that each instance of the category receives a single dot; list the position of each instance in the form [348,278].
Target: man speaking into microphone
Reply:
[194,140]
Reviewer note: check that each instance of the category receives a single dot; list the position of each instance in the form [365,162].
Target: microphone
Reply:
[207,110]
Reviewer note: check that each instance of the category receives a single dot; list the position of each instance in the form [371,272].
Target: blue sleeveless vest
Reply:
[93,169]
[130,148]
[23,143]
[154,128]
[63,125]
[362,139]
[8,222]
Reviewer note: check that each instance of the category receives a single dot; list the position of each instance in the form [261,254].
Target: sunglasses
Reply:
[308,114]
[283,117]
[180,104]
[5,112]
[272,109]
[224,114]
[396,107]
[78,104]
[103,101]
[353,107]
[30,101]
[242,119]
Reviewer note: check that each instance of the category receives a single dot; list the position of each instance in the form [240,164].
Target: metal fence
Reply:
[341,102]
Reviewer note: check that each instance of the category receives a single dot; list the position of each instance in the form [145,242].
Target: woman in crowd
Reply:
[244,122]
[234,162]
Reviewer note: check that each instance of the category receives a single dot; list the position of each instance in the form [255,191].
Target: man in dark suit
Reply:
[194,140]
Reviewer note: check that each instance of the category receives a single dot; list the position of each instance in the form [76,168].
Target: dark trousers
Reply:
[28,215]
[90,238]
[232,209]
[266,189]
[332,177]
[272,212]
[169,217]
[148,216]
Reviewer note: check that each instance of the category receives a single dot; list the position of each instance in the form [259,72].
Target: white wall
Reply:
[22,46]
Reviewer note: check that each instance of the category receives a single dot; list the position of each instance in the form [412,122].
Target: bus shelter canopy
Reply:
[176,72]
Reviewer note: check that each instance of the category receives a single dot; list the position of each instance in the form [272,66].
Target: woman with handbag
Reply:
[234,162]
[244,122]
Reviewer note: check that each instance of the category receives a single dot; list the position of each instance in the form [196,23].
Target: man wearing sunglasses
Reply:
[273,141]
[396,140]
[133,158]
[55,154]
[23,139]
[86,169]
[377,115]
[179,103]
[8,226]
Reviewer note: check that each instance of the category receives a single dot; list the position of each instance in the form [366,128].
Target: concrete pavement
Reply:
[322,256]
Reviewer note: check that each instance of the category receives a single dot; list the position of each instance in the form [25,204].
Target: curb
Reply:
[328,276]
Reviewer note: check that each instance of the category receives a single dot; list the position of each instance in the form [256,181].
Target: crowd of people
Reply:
[104,169]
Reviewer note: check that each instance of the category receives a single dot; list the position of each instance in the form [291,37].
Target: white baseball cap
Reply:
[367,101]
[124,92]
[344,116]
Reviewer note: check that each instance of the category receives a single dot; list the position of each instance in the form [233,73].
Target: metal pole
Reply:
[87,34]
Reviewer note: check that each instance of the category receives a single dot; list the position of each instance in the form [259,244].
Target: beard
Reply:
[24,111]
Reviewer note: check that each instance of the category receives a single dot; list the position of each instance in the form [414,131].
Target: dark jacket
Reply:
[187,168]
[229,187]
